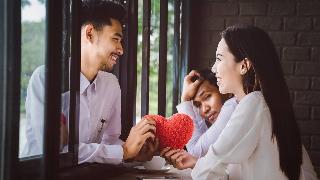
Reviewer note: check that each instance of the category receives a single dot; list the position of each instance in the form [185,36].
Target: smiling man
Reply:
[100,94]
[100,47]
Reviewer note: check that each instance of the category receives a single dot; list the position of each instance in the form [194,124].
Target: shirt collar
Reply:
[85,83]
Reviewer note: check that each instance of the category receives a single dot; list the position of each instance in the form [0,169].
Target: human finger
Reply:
[197,82]
[180,158]
[189,78]
[177,155]
[147,135]
[171,152]
[153,146]
[145,121]
[147,128]
[163,151]
[194,73]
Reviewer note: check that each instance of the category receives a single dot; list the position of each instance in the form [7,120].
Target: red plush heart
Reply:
[174,132]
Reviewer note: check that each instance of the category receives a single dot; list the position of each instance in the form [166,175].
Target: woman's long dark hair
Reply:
[266,75]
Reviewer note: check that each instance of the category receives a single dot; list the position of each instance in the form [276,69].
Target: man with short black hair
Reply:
[100,94]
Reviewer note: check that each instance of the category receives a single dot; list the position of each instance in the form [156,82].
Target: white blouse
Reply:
[246,140]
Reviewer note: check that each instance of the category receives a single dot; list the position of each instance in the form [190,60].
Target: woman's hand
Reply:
[179,158]
[190,86]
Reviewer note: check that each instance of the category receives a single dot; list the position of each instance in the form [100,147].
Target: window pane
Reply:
[33,76]
[170,50]
[32,56]
[154,57]
[139,61]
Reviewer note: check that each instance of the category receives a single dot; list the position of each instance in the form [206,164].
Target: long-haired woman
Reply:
[262,134]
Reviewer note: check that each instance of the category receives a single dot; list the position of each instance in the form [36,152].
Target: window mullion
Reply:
[75,80]
[177,58]
[128,70]
[145,57]
[162,77]
[10,57]
[185,39]
[52,89]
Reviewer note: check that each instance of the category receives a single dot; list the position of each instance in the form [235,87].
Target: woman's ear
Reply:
[245,66]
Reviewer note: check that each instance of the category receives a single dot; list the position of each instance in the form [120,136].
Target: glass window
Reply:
[33,43]
[170,51]
[139,61]
[154,58]
[33,78]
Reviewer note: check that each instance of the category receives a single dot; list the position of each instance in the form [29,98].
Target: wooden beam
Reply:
[162,77]
[145,57]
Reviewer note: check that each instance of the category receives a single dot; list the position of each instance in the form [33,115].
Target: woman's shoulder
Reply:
[231,102]
[254,99]
[253,96]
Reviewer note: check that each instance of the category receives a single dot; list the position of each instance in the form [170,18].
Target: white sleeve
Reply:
[35,112]
[200,126]
[100,153]
[200,146]
[236,142]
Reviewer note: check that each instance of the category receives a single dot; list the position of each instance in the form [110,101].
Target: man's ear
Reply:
[89,32]
[245,66]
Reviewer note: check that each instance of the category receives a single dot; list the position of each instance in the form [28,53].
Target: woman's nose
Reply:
[214,68]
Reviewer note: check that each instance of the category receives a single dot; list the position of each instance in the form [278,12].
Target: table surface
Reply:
[132,173]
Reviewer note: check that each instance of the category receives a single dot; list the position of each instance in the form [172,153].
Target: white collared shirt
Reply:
[99,101]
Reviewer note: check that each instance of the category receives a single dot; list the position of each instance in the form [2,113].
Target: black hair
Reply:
[208,75]
[99,12]
[266,75]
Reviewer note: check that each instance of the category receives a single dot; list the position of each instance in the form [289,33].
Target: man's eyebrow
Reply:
[118,34]
[201,93]
[219,55]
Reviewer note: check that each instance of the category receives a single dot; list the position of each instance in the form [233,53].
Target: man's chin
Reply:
[211,121]
[107,69]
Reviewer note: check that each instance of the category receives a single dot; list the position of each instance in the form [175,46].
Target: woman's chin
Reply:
[222,90]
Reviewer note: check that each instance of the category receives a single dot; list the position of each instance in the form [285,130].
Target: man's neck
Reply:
[89,74]
[90,78]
